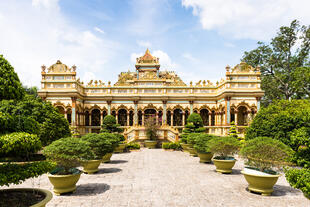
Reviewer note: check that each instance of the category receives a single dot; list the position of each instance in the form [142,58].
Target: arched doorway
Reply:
[122,117]
[160,118]
[204,113]
[213,118]
[86,118]
[169,118]
[186,116]
[140,118]
[242,116]
[131,114]
[177,117]
[61,110]
[95,117]
[69,117]
[149,113]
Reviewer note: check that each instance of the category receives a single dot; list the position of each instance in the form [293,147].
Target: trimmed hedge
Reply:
[224,146]
[300,179]
[98,144]
[19,144]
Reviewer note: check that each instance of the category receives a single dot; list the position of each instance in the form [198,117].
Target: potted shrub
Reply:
[68,154]
[133,146]
[151,132]
[191,140]
[122,145]
[202,148]
[100,147]
[20,162]
[194,125]
[114,140]
[263,155]
[224,148]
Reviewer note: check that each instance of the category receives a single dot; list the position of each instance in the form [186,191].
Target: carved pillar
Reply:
[127,123]
[135,114]
[116,117]
[183,118]
[210,114]
[258,102]
[236,117]
[164,113]
[90,122]
[66,114]
[191,106]
[227,112]
[109,107]
[101,118]
[73,115]
[142,118]
[156,117]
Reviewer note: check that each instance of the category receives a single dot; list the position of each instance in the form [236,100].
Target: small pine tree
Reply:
[109,125]
[233,130]
[10,86]
[194,125]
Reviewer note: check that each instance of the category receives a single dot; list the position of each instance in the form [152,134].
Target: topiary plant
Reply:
[194,125]
[19,145]
[224,147]
[109,125]
[233,130]
[68,153]
[264,153]
[132,145]
[151,128]
[98,144]
[114,139]
[201,142]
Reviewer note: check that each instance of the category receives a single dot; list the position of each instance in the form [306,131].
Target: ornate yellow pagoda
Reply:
[151,92]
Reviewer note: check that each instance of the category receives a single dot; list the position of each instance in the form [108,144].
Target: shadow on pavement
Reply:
[108,170]
[89,189]
[117,161]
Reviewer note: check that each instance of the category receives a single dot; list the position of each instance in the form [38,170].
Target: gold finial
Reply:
[73,68]
[43,67]
[204,82]
[191,83]
[227,68]
[109,83]
[147,51]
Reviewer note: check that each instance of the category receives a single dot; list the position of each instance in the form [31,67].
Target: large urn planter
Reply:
[47,194]
[260,182]
[150,144]
[205,157]
[192,151]
[64,183]
[120,148]
[185,147]
[91,166]
[224,166]
[107,157]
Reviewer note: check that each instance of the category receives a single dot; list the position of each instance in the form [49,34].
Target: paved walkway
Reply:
[154,177]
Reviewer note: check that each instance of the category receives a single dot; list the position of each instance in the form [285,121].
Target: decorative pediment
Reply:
[59,67]
[243,67]
[147,58]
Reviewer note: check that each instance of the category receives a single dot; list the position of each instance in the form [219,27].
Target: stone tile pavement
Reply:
[158,178]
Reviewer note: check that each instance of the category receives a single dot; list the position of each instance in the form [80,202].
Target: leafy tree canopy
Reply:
[10,86]
[284,63]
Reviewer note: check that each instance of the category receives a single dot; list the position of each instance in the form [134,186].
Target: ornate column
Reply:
[209,116]
[227,110]
[109,107]
[171,118]
[236,117]
[116,117]
[183,118]
[191,106]
[156,117]
[135,113]
[73,115]
[101,117]
[258,102]
[142,118]
[164,113]
[127,123]
[90,118]
[66,116]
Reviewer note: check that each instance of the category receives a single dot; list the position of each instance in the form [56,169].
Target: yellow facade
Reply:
[150,91]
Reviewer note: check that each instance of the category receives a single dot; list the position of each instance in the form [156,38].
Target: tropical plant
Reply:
[287,121]
[201,142]
[264,153]
[109,125]
[300,179]
[10,86]
[99,146]
[224,147]
[68,154]
[284,63]
[151,128]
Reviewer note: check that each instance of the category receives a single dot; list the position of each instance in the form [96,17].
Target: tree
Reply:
[287,121]
[151,128]
[109,125]
[10,86]
[194,125]
[284,63]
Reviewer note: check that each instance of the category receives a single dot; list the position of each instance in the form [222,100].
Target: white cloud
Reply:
[134,56]
[165,61]
[257,20]
[190,57]
[99,30]
[38,33]
[145,44]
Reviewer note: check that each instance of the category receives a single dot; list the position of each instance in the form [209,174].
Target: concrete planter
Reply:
[120,148]
[224,166]
[91,166]
[205,157]
[48,195]
[192,151]
[107,157]
[64,183]
[185,147]
[260,182]
[150,144]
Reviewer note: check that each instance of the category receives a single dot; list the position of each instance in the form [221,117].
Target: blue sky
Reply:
[195,38]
